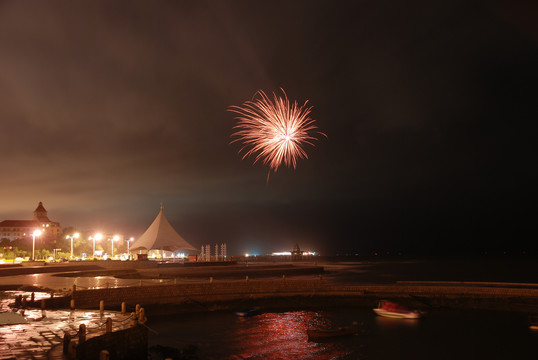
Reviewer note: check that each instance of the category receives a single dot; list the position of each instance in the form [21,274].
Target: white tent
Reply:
[161,236]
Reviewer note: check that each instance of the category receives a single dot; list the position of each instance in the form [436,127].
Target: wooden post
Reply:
[104,355]
[108,325]
[211,279]
[43,312]
[67,340]
[123,307]
[74,287]
[142,316]
[133,319]
[72,350]
[32,297]
[81,333]
[140,283]
[101,306]
[72,303]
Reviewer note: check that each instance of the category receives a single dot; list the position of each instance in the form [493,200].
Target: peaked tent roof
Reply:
[161,235]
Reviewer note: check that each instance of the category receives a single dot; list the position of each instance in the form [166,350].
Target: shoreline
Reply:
[208,286]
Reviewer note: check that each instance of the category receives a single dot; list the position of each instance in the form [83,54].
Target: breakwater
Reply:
[497,297]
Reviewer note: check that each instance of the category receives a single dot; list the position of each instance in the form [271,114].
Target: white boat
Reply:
[393,310]
[11,318]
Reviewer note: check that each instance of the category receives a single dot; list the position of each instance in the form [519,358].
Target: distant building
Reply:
[22,229]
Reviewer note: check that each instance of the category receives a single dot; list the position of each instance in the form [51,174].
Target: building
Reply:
[23,229]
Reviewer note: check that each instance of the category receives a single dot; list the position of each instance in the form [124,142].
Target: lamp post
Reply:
[115,238]
[75,235]
[35,233]
[97,237]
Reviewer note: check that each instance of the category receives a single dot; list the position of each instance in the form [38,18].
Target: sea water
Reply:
[440,334]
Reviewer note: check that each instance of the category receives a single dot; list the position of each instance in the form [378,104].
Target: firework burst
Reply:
[274,131]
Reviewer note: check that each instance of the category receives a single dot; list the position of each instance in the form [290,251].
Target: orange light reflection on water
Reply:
[283,336]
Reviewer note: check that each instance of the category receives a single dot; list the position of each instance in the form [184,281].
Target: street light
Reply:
[36,233]
[97,237]
[75,235]
[115,238]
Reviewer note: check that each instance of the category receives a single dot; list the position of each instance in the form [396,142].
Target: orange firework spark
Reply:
[274,131]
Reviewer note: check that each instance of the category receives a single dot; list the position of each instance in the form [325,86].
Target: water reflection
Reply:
[62,283]
[283,336]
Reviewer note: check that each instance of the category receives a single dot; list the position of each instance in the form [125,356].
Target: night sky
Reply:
[108,108]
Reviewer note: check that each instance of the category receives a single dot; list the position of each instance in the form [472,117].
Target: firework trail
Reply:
[274,131]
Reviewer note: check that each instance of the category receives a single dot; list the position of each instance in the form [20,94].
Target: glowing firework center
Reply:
[274,131]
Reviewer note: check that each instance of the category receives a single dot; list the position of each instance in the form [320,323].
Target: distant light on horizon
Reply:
[283,253]
[288,253]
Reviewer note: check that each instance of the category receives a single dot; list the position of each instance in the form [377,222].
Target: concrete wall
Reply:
[203,292]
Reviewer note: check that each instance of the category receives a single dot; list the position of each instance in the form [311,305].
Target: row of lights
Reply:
[98,237]
[95,237]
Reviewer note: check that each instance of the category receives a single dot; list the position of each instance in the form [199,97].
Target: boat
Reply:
[10,318]
[249,312]
[393,310]
[327,333]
